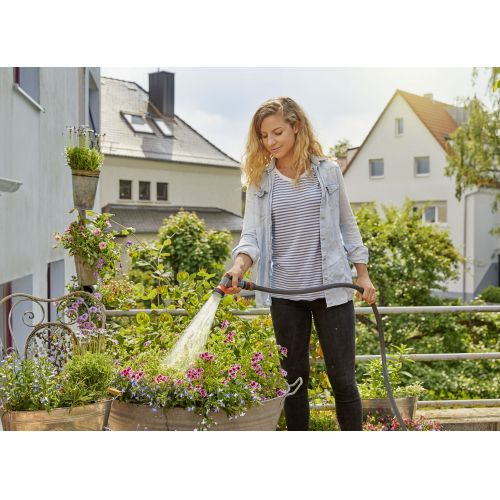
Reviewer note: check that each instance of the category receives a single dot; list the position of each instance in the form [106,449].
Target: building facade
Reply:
[404,156]
[36,106]
[156,163]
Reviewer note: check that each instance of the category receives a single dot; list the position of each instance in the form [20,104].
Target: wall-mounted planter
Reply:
[84,188]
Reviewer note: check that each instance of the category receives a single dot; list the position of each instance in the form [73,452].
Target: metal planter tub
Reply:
[133,417]
[93,417]
[381,406]
[87,275]
[84,188]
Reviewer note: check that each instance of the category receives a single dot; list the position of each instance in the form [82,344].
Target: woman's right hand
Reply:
[241,264]
[237,273]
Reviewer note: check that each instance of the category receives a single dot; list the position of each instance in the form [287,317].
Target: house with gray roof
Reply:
[156,163]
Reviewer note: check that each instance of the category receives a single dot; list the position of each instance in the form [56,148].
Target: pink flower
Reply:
[102,245]
[97,232]
[108,224]
[283,351]
[224,324]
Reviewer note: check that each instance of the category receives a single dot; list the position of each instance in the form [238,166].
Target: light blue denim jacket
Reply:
[340,238]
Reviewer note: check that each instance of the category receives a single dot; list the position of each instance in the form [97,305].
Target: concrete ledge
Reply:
[464,419]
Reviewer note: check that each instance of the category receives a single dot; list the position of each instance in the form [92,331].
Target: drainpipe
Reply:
[465,244]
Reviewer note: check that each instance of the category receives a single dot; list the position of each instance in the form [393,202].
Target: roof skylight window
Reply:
[165,129]
[138,123]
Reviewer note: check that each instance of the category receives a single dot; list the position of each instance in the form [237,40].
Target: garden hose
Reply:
[248,285]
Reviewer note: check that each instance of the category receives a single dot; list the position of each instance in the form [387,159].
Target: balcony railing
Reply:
[366,357]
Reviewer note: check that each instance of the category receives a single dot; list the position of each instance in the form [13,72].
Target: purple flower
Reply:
[283,351]
[83,317]
[129,243]
[97,295]
[224,324]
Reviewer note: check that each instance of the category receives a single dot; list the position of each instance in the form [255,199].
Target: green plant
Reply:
[118,292]
[191,247]
[491,294]
[374,423]
[86,378]
[35,383]
[373,385]
[408,259]
[93,241]
[239,368]
[83,151]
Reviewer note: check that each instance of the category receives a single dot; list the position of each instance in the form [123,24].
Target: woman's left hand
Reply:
[369,292]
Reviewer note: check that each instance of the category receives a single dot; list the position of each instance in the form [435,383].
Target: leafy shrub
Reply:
[491,294]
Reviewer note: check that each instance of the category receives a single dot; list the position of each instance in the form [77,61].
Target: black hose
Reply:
[252,286]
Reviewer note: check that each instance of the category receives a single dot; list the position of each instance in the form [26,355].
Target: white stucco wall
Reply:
[400,181]
[486,247]
[188,185]
[32,144]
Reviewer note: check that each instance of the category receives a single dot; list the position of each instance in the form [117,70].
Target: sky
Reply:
[341,102]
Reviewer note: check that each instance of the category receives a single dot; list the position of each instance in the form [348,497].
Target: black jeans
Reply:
[337,337]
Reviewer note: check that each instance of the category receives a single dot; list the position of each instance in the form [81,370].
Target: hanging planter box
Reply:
[84,188]
[87,275]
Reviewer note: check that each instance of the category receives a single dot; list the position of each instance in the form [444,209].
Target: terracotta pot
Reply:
[381,406]
[92,417]
[133,417]
[84,188]
[87,275]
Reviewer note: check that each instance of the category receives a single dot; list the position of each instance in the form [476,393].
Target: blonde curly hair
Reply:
[256,157]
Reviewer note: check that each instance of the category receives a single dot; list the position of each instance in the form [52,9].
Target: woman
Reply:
[299,231]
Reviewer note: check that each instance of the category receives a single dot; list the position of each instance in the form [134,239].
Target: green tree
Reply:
[183,244]
[408,258]
[339,151]
[473,155]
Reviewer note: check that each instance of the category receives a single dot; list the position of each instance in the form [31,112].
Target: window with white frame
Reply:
[125,189]
[376,168]
[162,191]
[399,127]
[435,211]
[422,166]
[138,123]
[144,190]
[164,128]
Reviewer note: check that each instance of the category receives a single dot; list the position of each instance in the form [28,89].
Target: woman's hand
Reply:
[237,273]
[242,263]
[369,292]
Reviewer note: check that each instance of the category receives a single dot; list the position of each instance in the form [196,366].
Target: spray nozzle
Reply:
[227,281]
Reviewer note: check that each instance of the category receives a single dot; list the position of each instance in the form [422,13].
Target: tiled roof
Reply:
[433,114]
[148,219]
[186,146]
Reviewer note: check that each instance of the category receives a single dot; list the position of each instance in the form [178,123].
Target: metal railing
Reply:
[367,357]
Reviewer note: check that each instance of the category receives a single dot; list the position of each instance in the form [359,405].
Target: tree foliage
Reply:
[473,155]
[183,244]
[408,258]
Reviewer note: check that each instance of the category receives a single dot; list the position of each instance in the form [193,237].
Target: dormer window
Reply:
[164,128]
[138,123]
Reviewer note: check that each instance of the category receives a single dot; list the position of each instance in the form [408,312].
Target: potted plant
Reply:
[92,243]
[387,423]
[235,384]
[373,392]
[36,396]
[84,158]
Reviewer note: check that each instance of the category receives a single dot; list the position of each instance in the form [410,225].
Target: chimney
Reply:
[429,96]
[161,91]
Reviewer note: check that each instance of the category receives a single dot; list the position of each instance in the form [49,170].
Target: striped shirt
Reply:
[295,215]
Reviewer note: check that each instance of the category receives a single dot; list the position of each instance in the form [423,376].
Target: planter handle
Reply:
[295,385]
